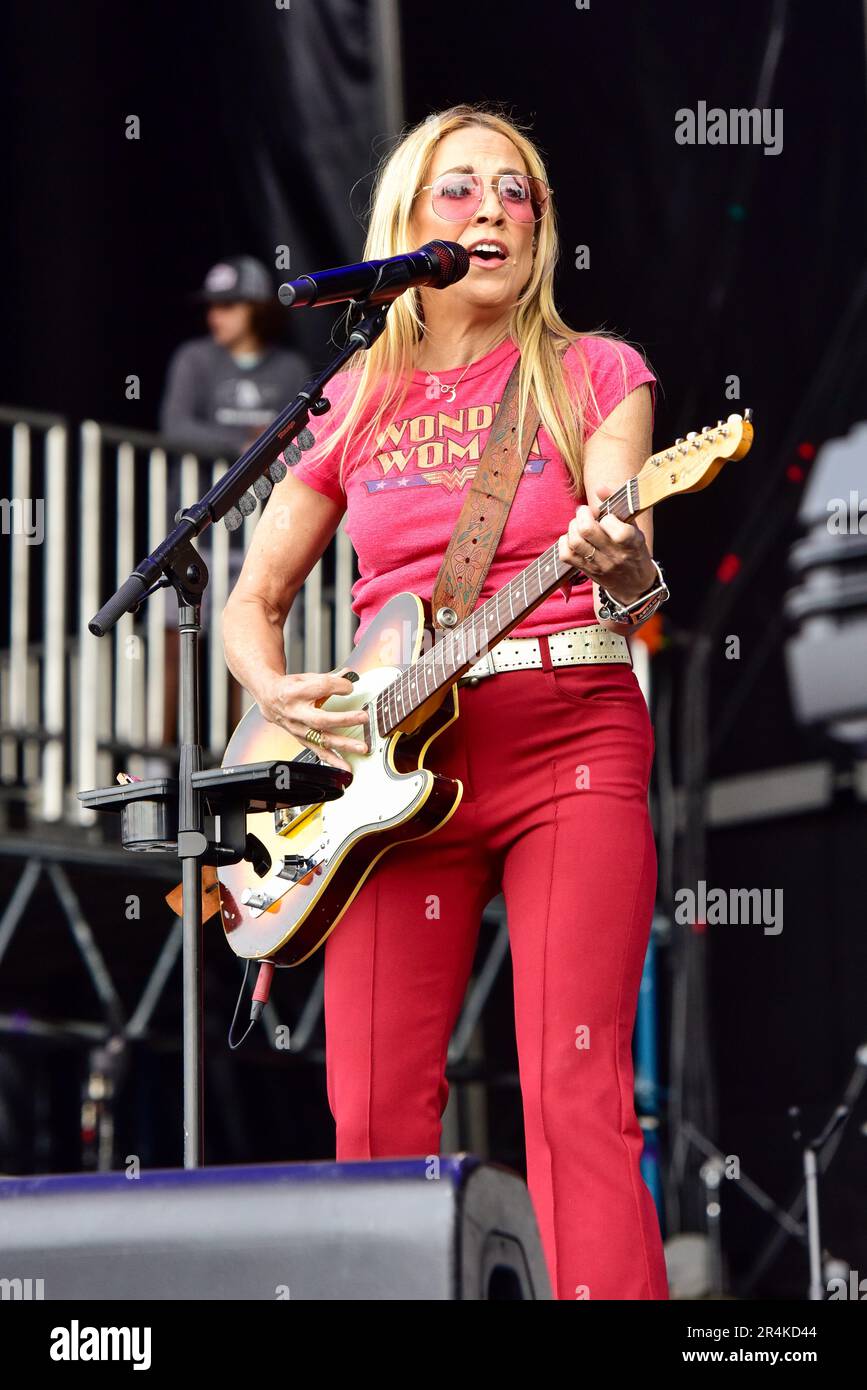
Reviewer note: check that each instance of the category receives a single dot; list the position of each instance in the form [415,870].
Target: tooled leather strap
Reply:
[486,506]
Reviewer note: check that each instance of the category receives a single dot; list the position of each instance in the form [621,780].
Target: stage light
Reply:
[728,568]
[827,654]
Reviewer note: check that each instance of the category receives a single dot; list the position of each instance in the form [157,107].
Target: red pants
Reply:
[555,765]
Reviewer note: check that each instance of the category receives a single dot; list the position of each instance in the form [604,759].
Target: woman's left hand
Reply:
[611,552]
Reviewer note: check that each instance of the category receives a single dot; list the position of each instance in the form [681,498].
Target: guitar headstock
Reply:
[693,462]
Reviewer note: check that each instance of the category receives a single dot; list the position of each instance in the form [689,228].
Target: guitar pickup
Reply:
[257,899]
[367,729]
[296,867]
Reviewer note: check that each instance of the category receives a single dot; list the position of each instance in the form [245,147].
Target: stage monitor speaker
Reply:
[436,1228]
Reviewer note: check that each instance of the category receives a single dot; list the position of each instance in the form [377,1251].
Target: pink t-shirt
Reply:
[403,492]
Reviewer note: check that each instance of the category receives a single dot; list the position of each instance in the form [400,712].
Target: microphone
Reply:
[437,264]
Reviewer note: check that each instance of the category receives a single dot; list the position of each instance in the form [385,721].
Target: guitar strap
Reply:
[482,517]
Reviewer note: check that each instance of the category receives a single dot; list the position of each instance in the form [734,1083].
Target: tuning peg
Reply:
[748,416]
[262,488]
[278,470]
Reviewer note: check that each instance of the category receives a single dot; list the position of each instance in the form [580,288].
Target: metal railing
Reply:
[83,506]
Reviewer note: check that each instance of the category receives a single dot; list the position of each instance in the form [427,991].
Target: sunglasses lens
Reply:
[523,197]
[456,197]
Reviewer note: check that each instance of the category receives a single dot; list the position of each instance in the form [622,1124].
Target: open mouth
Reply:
[488,253]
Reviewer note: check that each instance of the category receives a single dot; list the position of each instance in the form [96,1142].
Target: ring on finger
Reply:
[315,736]
[588,559]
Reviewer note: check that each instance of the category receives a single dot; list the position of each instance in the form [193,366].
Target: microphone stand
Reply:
[176,562]
[812,1153]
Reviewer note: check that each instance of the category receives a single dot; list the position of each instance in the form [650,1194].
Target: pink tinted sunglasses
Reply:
[458,197]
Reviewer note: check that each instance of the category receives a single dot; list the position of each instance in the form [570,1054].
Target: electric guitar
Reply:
[310,861]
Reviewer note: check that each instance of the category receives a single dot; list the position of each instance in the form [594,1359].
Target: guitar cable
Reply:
[259,1000]
[266,967]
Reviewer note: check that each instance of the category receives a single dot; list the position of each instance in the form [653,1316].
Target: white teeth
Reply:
[489,246]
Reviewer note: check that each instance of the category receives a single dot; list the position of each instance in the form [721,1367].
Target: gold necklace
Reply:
[448,391]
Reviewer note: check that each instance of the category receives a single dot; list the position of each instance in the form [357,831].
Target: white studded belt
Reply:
[576,646]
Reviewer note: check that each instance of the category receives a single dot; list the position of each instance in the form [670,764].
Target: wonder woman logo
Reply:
[452,479]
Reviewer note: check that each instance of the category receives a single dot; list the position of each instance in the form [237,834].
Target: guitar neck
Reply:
[456,649]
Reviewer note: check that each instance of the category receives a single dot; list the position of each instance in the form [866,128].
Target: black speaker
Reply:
[435,1228]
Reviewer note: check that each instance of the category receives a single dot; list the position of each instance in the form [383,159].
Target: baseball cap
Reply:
[236,278]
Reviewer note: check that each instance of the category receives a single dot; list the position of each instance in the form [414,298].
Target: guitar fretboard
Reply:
[457,648]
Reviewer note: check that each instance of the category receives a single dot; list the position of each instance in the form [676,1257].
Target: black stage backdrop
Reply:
[720,261]
[255,125]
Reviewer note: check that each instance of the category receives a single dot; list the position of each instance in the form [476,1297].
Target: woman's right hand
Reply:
[292,702]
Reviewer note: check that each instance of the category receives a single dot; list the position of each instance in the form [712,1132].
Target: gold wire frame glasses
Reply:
[458,197]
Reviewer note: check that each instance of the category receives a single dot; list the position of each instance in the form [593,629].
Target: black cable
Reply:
[251,1024]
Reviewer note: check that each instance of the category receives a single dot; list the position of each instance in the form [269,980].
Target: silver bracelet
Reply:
[632,614]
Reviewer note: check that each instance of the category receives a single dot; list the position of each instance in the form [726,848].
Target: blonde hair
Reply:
[535,325]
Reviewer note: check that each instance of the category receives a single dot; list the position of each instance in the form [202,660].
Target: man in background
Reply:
[222,390]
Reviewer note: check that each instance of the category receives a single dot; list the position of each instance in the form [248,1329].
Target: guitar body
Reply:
[312,860]
[392,798]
